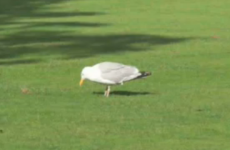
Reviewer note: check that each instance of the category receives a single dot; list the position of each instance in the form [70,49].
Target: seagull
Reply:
[111,73]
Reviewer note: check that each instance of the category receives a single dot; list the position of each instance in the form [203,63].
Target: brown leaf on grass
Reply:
[215,37]
[25,91]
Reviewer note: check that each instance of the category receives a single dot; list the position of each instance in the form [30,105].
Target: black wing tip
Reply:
[143,73]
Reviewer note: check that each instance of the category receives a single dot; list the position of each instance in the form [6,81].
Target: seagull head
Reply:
[85,74]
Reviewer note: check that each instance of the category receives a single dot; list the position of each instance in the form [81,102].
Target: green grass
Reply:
[184,105]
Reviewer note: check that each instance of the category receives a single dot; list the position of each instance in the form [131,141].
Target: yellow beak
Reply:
[81,82]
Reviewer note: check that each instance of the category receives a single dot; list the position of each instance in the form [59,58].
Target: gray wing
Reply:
[118,73]
[106,67]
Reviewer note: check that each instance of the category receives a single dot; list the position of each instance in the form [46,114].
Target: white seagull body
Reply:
[111,73]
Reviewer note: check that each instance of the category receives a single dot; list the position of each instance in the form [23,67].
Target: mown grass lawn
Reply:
[184,105]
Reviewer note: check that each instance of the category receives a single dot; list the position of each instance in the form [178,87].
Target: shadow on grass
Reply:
[125,93]
[45,38]
[78,46]
[11,10]
[11,13]
[18,62]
